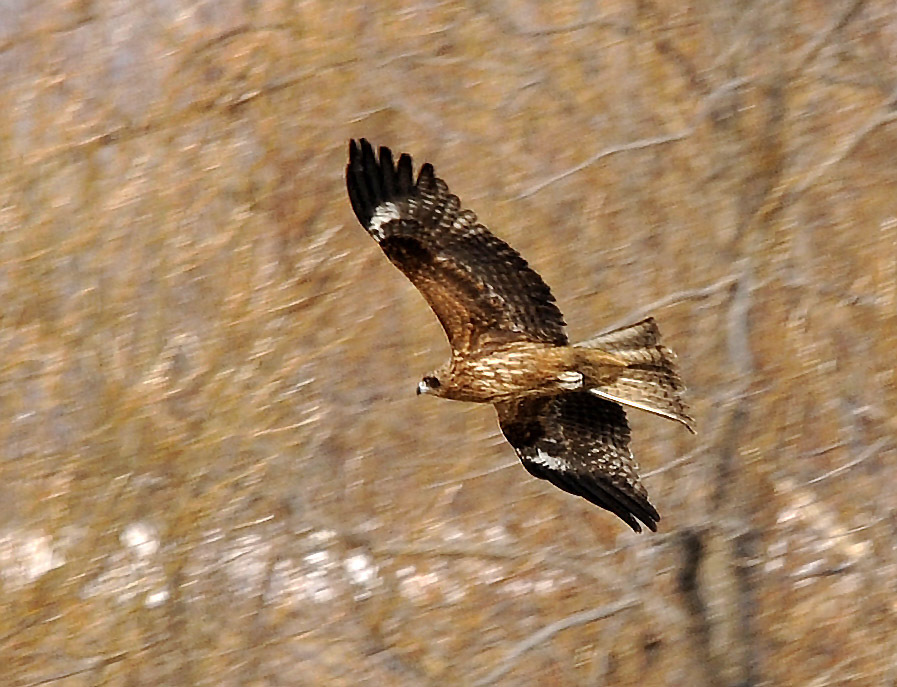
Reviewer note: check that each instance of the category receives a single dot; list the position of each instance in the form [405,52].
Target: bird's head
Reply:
[430,384]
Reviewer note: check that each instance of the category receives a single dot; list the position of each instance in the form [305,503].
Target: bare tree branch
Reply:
[473,475]
[695,294]
[511,25]
[640,144]
[787,191]
[822,39]
[886,116]
[700,630]
[199,108]
[864,456]
[543,635]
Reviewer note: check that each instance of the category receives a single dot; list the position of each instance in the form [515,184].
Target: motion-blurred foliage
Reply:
[213,466]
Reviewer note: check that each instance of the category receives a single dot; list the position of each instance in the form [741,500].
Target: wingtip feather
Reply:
[373,179]
[426,177]
[405,175]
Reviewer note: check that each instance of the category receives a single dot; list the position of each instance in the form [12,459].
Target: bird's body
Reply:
[522,369]
[559,405]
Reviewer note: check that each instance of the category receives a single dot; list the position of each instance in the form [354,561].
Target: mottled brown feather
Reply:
[480,288]
[580,443]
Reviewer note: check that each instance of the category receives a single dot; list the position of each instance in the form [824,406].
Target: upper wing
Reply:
[580,443]
[478,286]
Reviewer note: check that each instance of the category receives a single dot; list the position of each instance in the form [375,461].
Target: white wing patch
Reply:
[548,461]
[384,213]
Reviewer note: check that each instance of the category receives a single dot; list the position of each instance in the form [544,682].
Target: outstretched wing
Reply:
[479,287]
[580,443]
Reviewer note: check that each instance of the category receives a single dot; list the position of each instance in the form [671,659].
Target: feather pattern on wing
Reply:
[580,443]
[480,288]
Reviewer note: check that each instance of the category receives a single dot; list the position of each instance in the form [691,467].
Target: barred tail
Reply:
[650,380]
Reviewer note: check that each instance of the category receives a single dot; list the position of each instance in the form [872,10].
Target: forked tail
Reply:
[650,380]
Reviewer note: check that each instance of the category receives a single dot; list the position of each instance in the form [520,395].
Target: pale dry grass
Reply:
[214,467]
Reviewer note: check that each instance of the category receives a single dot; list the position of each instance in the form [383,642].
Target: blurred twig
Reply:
[789,190]
[224,99]
[864,456]
[508,24]
[640,144]
[544,634]
[697,293]
[700,630]
[473,475]
[823,37]
[91,664]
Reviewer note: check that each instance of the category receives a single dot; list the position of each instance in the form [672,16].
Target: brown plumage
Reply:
[559,405]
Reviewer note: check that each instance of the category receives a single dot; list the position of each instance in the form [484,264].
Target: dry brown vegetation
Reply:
[214,468]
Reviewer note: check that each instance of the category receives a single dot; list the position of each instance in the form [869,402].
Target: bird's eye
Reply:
[432,382]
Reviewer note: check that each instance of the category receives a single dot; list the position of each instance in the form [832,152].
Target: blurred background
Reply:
[214,469]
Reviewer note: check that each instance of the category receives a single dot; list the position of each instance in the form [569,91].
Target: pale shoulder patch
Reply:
[383,214]
[570,380]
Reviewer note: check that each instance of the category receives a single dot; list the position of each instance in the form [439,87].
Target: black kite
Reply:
[559,405]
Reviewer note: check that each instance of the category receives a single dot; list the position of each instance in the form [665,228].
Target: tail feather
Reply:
[649,381]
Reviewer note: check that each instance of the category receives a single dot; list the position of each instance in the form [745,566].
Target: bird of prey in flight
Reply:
[560,405]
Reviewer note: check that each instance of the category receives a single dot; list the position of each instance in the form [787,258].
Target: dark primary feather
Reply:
[371,182]
[580,443]
[480,288]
